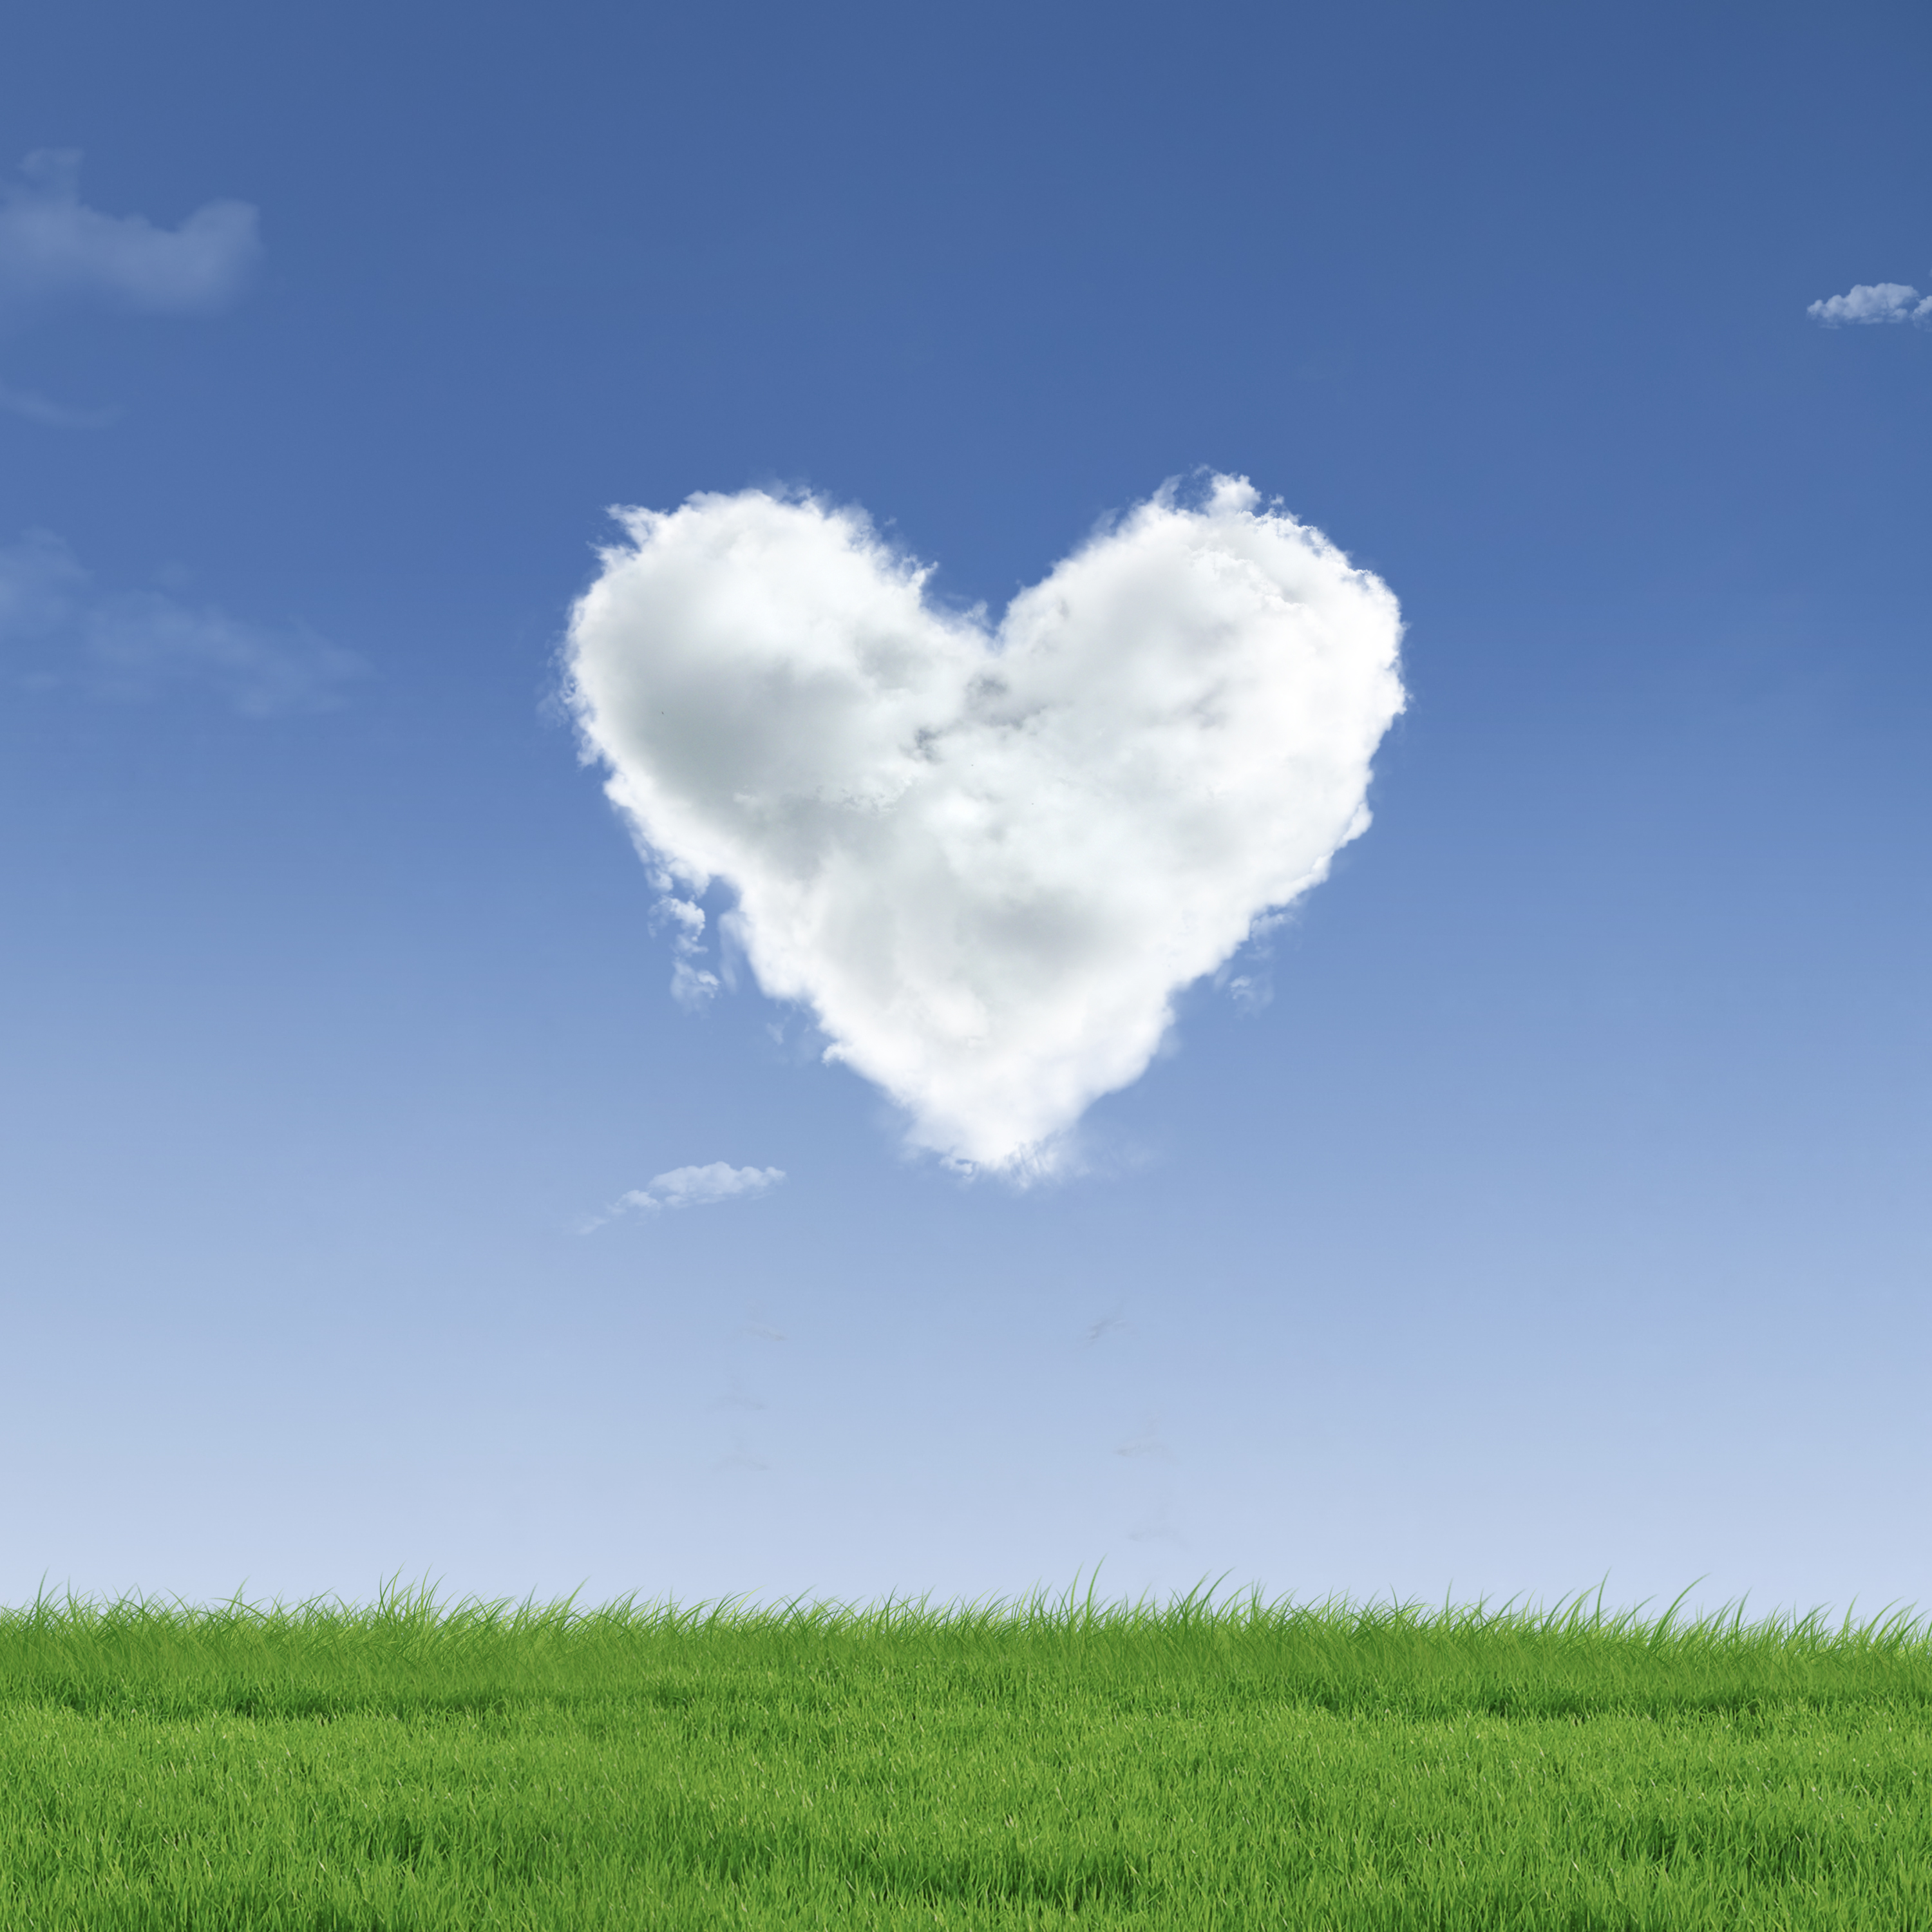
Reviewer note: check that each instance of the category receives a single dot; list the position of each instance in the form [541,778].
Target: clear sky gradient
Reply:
[1563,1215]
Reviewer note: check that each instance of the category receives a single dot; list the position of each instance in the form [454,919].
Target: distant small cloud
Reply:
[60,627]
[692,986]
[1873,301]
[691,1187]
[1147,1443]
[37,408]
[55,250]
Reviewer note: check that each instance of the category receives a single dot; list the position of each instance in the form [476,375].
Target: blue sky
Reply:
[1562,1214]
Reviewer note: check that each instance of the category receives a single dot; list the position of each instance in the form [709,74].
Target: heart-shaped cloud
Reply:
[985,858]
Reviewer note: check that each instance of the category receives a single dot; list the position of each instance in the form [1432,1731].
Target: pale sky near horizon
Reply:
[1548,1203]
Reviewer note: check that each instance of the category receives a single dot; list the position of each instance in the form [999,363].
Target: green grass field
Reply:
[1047,1764]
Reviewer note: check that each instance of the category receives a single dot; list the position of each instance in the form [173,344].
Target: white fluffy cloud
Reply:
[692,1187]
[1873,301]
[59,627]
[54,249]
[986,857]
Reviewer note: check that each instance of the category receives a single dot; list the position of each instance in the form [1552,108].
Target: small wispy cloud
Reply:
[56,254]
[60,627]
[692,986]
[37,408]
[1873,302]
[691,1187]
[1147,1443]
[55,250]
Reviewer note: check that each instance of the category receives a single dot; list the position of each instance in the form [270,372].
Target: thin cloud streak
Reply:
[59,628]
[36,408]
[690,1187]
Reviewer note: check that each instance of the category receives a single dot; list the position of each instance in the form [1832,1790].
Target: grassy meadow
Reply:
[1049,1763]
